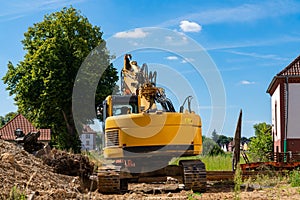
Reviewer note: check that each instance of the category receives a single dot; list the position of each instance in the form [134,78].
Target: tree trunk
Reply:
[72,142]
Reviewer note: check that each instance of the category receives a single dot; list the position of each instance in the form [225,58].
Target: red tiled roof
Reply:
[87,129]
[7,132]
[293,69]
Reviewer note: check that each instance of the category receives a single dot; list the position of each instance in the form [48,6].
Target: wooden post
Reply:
[236,143]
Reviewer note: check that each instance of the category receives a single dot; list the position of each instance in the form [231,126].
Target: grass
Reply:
[193,195]
[16,194]
[212,163]
[237,183]
[294,178]
[224,163]
[218,163]
[261,181]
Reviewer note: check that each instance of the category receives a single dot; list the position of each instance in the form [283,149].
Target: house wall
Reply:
[88,141]
[293,131]
[276,118]
[293,145]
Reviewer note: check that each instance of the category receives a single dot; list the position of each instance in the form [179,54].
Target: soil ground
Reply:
[216,190]
[24,174]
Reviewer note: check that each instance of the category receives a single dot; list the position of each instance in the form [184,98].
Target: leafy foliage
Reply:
[43,82]
[207,144]
[215,136]
[216,150]
[221,139]
[210,147]
[261,145]
[9,116]
[245,140]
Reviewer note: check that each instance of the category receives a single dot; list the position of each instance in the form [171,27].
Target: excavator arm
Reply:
[138,81]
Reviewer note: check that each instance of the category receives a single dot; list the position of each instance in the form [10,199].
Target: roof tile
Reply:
[7,132]
[293,69]
[88,130]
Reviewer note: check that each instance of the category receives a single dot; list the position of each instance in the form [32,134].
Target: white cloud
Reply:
[17,9]
[185,60]
[136,33]
[169,39]
[190,59]
[188,26]
[253,121]
[241,13]
[245,82]
[254,43]
[255,55]
[172,58]
[175,41]
[133,43]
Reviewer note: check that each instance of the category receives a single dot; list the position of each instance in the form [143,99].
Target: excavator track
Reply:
[109,181]
[194,175]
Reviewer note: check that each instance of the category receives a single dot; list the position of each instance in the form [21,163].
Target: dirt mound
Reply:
[69,164]
[72,165]
[21,172]
[24,176]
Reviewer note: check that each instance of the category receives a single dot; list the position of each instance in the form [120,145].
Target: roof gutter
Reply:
[271,84]
[286,116]
[279,77]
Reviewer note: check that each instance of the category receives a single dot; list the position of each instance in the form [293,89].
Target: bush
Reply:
[211,148]
[216,150]
[261,145]
[295,178]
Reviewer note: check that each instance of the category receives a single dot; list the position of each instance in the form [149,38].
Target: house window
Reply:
[87,136]
[87,143]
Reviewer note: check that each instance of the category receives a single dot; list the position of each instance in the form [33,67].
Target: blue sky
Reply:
[248,41]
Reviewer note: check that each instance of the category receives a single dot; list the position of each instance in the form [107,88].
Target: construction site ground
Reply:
[24,174]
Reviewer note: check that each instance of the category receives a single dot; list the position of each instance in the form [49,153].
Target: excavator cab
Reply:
[115,105]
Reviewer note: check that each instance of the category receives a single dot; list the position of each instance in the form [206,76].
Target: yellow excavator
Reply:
[143,132]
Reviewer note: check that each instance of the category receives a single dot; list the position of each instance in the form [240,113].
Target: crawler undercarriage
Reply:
[191,173]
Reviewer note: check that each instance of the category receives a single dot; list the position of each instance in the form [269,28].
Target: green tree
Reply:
[261,145]
[2,121]
[207,145]
[210,147]
[223,140]
[245,140]
[214,136]
[43,82]
[9,116]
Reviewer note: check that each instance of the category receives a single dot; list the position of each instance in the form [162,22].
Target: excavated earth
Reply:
[63,175]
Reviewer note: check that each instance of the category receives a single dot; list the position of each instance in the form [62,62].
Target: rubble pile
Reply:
[24,176]
[70,164]
[23,172]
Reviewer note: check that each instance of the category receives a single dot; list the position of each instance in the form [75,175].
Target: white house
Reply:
[285,103]
[88,138]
